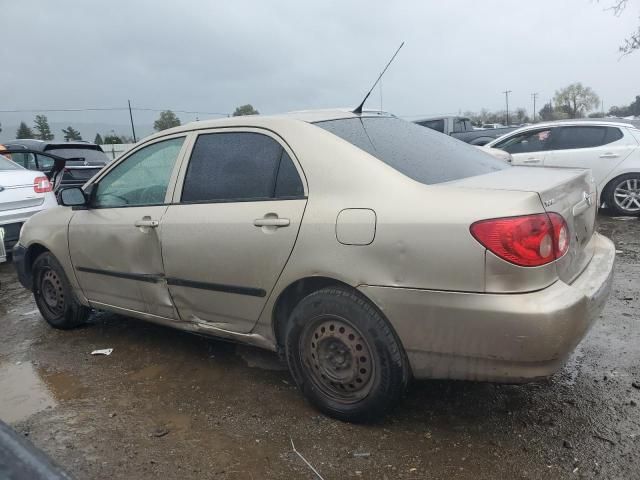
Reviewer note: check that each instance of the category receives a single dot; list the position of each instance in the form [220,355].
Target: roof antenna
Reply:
[358,109]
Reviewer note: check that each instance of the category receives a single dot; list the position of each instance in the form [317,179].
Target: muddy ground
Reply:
[168,404]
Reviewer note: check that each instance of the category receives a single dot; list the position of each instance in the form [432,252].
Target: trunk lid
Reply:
[16,190]
[568,192]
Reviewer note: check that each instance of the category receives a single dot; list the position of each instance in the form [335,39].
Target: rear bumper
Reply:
[497,337]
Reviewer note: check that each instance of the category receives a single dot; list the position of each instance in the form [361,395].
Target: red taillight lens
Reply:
[41,185]
[528,241]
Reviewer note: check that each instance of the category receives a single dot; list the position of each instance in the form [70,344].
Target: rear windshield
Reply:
[92,157]
[6,164]
[419,153]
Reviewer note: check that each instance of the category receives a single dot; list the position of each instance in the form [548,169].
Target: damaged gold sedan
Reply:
[368,250]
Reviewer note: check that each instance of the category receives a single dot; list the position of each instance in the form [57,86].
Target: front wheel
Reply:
[344,356]
[54,296]
[623,195]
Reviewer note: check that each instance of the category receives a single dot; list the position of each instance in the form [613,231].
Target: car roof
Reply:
[595,123]
[307,116]
[441,117]
[41,145]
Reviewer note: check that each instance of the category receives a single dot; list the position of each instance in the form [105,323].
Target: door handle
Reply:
[532,160]
[271,222]
[146,222]
[609,155]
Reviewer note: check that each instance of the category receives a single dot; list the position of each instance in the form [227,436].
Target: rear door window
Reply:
[239,166]
[584,137]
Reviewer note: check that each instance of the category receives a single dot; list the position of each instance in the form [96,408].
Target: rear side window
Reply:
[288,183]
[584,137]
[83,156]
[239,166]
[417,152]
[6,164]
[459,125]
[437,125]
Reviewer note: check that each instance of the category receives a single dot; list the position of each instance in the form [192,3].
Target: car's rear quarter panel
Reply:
[422,237]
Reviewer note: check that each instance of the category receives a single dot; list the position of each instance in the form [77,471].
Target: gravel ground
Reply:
[167,404]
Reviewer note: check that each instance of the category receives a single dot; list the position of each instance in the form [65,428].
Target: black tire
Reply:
[54,296]
[344,356]
[614,200]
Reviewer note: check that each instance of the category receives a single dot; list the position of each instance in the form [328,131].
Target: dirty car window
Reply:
[419,153]
[141,179]
[232,166]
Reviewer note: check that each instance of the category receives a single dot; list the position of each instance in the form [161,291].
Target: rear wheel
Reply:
[54,296]
[344,356]
[623,194]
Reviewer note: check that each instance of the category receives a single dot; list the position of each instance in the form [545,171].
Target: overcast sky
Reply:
[211,56]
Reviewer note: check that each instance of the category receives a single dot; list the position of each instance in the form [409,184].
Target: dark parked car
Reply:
[83,159]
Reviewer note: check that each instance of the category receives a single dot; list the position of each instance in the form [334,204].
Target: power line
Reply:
[109,109]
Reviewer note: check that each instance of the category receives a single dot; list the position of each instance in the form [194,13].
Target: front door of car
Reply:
[527,148]
[114,243]
[231,227]
[599,148]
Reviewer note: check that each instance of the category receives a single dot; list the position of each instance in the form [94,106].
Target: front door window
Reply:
[142,179]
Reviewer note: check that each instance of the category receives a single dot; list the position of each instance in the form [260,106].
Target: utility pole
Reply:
[534,96]
[506,96]
[602,107]
[133,129]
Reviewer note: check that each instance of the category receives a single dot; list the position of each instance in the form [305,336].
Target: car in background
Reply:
[22,193]
[462,129]
[611,150]
[365,248]
[83,159]
[492,126]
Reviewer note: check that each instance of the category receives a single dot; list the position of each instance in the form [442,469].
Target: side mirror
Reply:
[73,197]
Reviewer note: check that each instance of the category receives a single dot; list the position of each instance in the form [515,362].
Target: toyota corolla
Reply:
[366,249]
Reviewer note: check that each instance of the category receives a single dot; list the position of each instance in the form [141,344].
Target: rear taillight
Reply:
[41,185]
[528,241]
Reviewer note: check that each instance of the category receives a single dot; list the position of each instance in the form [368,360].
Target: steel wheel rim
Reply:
[52,292]
[338,358]
[627,195]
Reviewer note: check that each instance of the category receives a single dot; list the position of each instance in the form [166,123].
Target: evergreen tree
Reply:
[98,140]
[42,128]
[24,131]
[71,134]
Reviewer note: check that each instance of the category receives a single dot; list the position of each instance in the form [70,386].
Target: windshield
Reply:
[6,164]
[95,157]
[419,153]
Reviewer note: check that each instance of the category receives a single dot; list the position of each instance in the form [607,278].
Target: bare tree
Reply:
[632,42]
[576,100]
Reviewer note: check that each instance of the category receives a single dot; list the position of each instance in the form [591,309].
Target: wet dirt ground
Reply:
[167,404]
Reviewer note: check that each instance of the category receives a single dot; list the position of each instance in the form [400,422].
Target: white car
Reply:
[22,193]
[610,150]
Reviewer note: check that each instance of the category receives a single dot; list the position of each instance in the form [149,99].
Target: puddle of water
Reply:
[22,392]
